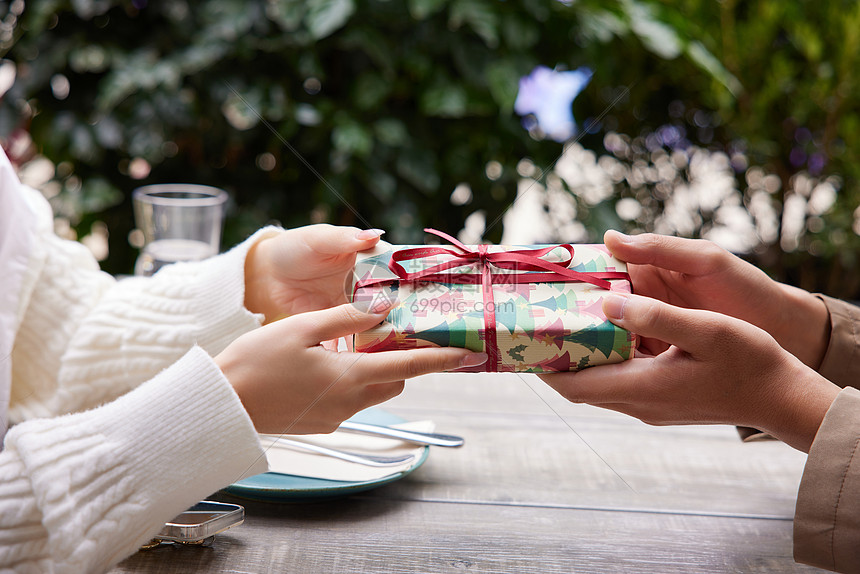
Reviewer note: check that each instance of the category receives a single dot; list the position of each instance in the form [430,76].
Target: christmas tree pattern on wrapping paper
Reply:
[542,327]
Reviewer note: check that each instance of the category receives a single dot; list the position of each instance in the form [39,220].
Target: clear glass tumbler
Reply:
[179,221]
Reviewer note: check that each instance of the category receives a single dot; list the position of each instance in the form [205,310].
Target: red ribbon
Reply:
[540,271]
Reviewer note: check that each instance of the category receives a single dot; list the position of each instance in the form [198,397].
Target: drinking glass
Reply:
[179,221]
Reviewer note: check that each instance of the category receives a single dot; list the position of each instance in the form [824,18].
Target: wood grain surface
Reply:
[541,486]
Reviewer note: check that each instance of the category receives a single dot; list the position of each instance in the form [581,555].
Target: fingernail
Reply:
[383,305]
[367,234]
[613,305]
[473,359]
[622,237]
[374,305]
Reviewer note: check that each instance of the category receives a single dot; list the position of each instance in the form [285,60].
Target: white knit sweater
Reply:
[79,492]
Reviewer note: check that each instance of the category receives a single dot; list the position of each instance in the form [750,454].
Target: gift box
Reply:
[532,309]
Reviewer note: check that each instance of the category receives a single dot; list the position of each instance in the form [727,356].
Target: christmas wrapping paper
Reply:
[539,327]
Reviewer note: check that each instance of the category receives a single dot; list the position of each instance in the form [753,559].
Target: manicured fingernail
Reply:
[367,234]
[613,305]
[473,359]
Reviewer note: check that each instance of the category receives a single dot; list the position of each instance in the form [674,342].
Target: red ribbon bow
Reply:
[539,271]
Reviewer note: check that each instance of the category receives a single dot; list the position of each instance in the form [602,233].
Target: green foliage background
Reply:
[373,111]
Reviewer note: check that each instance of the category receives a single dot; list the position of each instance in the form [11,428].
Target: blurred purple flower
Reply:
[802,135]
[671,135]
[817,161]
[548,95]
[797,157]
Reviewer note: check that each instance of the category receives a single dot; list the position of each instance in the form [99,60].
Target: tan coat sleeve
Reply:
[841,363]
[827,516]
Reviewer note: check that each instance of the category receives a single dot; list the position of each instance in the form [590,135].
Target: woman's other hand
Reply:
[303,269]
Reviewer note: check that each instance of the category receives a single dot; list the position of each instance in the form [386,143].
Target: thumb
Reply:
[335,240]
[693,256]
[651,318]
[317,326]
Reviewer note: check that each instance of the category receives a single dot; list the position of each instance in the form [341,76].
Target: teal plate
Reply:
[276,487]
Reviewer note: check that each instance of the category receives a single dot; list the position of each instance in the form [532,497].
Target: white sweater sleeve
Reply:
[86,339]
[79,493]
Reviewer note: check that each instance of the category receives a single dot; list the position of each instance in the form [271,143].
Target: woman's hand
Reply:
[715,369]
[697,274]
[289,383]
[303,269]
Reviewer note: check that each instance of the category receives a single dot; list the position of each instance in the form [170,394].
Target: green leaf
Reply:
[417,168]
[538,9]
[89,59]
[809,40]
[141,70]
[326,16]
[98,194]
[288,14]
[375,45]
[382,185]
[370,91]
[519,33]
[86,9]
[40,14]
[108,132]
[83,143]
[657,36]
[480,16]
[352,138]
[445,100]
[697,52]
[227,20]
[601,26]
[503,80]
[391,132]
[421,9]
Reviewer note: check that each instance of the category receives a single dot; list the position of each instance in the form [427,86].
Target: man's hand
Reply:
[698,274]
[714,369]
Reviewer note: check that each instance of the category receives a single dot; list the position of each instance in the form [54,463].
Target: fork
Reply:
[365,459]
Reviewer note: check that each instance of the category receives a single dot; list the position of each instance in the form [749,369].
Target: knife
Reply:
[410,436]
[359,458]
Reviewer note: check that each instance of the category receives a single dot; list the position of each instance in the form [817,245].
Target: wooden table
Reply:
[541,486]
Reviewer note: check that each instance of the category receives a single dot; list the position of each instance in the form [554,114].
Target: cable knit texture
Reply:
[86,338]
[102,482]
[79,492]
